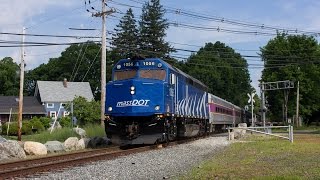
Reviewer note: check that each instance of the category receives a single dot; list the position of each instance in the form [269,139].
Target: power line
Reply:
[75,65]
[55,17]
[44,44]
[48,35]
[241,23]
[91,65]
[83,54]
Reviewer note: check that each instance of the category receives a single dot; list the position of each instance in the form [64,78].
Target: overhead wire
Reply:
[55,17]
[93,61]
[75,65]
[241,23]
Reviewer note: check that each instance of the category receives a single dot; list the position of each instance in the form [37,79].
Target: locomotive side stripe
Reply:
[194,106]
[182,107]
[187,106]
[198,106]
[204,104]
[191,105]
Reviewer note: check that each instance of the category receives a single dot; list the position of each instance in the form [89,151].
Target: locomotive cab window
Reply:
[159,74]
[125,74]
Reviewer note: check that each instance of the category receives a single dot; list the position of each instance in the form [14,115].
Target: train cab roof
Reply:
[196,81]
[131,63]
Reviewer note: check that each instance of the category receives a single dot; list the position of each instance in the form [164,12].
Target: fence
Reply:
[267,131]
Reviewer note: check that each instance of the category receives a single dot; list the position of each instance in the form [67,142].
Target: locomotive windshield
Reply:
[159,74]
[124,74]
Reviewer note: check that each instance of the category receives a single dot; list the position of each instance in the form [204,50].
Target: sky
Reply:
[57,17]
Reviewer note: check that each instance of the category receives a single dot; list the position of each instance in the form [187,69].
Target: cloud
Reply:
[16,14]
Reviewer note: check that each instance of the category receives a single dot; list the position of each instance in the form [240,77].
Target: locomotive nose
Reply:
[134,97]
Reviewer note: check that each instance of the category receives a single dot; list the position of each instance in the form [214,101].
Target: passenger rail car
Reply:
[150,101]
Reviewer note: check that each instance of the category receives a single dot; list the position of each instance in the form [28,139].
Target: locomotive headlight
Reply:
[110,108]
[132,92]
[132,88]
[157,107]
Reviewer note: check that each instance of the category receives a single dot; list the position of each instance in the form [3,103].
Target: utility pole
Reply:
[103,14]
[21,87]
[297,108]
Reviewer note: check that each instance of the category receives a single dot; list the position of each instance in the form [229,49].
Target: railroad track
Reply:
[32,167]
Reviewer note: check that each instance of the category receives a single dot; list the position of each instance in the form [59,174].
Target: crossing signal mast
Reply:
[269,86]
[251,100]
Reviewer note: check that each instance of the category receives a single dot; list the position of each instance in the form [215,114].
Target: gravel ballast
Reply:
[157,164]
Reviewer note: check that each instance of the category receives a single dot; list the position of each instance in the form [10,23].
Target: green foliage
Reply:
[296,56]
[37,124]
[13,128]
[213,65]
[93,130]
[125,39]
[57,135]
[85,111]
[61,135]
[65,121]
[73,64]
[26,128]
[45,122]
[9,77]
[152,30]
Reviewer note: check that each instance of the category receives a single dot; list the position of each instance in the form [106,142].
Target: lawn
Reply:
[260,157]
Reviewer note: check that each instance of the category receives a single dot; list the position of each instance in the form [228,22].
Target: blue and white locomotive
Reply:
[150,101]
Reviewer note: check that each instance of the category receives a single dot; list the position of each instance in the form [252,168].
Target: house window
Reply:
[53,114]
[50,105]
[62,105]
[66,113]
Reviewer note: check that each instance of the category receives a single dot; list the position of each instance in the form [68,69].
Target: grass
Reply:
[93,130]
[264,158]
[61,134]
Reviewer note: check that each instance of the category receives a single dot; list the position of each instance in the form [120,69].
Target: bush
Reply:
[65,121]
[13,128]
[37,124]
[26,127]
[45,122]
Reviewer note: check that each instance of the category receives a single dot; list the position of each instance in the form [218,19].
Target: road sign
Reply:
[251,97]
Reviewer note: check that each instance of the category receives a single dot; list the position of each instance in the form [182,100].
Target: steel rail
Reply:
[33,167]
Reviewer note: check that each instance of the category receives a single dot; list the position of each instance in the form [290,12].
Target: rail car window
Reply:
[126,74]
[153,74]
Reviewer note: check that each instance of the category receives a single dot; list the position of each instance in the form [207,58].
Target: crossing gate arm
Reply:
[252,129]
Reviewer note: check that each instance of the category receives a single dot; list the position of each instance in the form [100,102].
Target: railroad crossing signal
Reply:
[251,97]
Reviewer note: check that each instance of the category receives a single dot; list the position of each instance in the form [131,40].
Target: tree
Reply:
[85,111]
[9,77]
[295,58]
[222,70]
[152,31]
[125,40]
[79,62]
